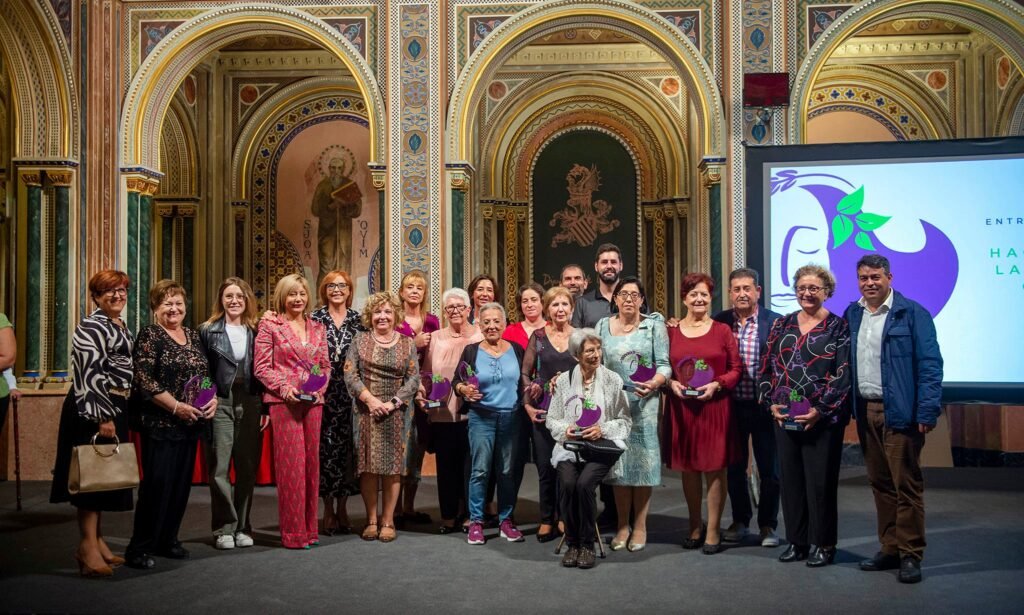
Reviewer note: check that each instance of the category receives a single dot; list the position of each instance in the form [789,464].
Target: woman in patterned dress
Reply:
[631,340]
[101,360]
[420,326]
[291,348]
[338,478]
[808,357]
[382,375]
[168,358]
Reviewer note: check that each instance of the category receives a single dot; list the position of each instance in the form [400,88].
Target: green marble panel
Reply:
[715,205]
[145,251]
[33,293]
[458,232]
[166,247]
[61,281]
[137,296]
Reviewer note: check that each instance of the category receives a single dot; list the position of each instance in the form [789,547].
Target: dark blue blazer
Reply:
[765,319]
[911,363]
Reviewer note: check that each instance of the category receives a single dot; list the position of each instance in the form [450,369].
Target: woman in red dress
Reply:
[700,435]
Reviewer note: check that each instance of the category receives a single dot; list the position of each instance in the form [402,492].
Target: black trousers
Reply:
[577,487]
[451,445]
[809,463]
[163,494]
[756,425]
[547,478]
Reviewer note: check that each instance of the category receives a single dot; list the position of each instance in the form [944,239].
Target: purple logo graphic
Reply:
[927,275]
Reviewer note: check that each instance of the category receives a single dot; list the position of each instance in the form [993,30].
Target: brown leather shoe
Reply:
[571,557]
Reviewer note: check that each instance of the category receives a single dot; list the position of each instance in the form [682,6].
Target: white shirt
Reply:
[869,348]
[239,340]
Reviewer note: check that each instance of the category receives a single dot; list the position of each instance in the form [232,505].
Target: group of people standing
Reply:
[593,387]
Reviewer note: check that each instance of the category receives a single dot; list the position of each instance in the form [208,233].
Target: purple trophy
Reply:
[795,405]
[643,369]
[313,381]
[438,388]
[199,391]
[694,373]
[544,400]
[468,375]
[589,413]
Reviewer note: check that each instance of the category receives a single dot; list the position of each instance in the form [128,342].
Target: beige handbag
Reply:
[103,467]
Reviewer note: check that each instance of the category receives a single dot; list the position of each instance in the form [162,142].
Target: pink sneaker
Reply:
[510,532]
[476,534]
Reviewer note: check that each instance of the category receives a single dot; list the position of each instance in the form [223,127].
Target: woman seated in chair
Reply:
[589,407]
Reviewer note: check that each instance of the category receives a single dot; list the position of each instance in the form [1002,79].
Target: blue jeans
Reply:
[493,439]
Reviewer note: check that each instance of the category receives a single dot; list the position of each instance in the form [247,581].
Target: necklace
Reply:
[394,335]
[627,328]
[453,333]
[699,323]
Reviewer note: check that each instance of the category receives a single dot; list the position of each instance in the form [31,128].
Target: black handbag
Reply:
[601,450]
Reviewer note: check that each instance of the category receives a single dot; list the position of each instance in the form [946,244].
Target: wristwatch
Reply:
[397,402]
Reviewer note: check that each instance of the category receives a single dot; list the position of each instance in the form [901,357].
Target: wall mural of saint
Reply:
[584,194]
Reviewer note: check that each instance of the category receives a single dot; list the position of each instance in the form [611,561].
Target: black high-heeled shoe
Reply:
[821,556]
[794,553]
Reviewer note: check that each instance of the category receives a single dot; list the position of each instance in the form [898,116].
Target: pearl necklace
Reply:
[394,335]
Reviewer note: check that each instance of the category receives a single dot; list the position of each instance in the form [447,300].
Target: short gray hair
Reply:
[458,293]
[494,305]
[579,338]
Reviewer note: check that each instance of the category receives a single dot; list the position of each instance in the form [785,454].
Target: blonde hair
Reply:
[373,303]
[417,276]
[164,289]
[828,281]
[250,317]
[553,292]
[285,286]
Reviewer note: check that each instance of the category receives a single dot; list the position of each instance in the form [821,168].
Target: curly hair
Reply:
[374,303]
[828,281]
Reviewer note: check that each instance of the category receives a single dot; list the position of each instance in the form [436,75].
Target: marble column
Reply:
[61,353]
[32,191]
[145,248]
[460,179]
[240,214]
[712,220]
[188,219]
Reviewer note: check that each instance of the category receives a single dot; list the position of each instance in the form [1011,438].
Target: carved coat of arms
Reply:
[583,218]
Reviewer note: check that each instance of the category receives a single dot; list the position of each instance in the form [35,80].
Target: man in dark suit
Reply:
[750,324]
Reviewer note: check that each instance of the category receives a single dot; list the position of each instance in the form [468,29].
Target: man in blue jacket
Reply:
[750,325]
[897,395]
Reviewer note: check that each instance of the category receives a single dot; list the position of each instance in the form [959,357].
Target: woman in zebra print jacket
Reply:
[101,358]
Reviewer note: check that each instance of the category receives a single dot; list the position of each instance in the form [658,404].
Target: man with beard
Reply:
[336,202]
[596,304]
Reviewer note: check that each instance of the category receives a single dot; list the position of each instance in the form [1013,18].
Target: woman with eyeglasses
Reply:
[338,477]
[487,378]
[804,381]
[636,348]
[448,426]
[101,361]
[420,325]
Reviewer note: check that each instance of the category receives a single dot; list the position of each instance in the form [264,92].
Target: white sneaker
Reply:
[224,542]
[243,540]
[768,537]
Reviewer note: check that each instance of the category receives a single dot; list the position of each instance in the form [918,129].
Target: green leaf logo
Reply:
[842,228]
[863,241]
[852,203]
[870,222]
[205,384]
[700,365]
[587,404]
[315,370]
[437,378]
[794,396]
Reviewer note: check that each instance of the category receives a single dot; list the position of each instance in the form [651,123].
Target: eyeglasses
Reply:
[814,290]
[454,309]
[632,296]
[115,291]
[337,286]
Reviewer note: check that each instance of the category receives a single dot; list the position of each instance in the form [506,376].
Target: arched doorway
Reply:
[226,209]
[640,81]
[931,88]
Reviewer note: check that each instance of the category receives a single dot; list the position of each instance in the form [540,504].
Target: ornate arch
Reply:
[43,100]
[1000,20]
[638,115]
[539,20]
[155,82]
[244,155]
[899,103]
[1010,115]
[178,148]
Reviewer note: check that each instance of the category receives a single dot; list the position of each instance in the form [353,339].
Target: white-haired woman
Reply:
[447,425]
[588,404]
[493,397]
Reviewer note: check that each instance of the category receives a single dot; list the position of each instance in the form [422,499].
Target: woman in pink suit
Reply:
[291,348]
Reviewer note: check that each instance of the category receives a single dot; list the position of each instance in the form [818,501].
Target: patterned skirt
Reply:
[382,443]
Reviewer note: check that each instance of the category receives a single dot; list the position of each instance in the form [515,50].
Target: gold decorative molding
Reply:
[886,46]
[585,55]
[60,178]
[31,177]
[711,172]
[240,213]
[460,177]
[175,210]
[279,60]
[379,176]
[145,186]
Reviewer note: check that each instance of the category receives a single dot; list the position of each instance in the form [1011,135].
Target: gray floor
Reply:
[974,563]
